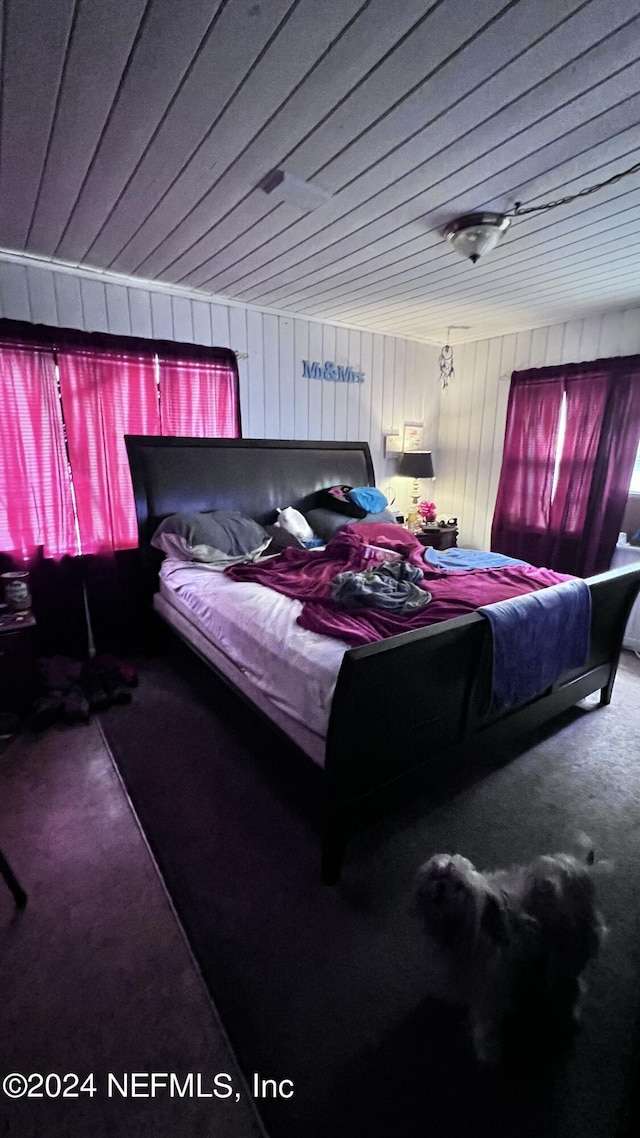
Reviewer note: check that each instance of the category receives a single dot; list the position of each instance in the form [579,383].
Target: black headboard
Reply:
[254,476]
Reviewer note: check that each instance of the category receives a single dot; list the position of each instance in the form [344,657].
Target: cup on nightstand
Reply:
[16,591]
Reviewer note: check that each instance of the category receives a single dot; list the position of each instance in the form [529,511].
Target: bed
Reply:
[394,710]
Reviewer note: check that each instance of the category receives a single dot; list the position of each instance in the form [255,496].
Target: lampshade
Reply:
[476,233]
[416,464]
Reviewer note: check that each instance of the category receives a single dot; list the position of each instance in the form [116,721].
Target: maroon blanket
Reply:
[306,575]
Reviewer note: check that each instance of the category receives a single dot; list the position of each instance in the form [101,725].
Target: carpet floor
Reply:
[325,986]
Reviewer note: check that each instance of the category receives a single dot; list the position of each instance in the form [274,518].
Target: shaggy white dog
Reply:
[510,941]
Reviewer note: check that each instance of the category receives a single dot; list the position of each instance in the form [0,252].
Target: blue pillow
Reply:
[368,498]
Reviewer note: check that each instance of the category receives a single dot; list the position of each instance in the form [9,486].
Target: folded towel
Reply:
[536,638]
[458,559]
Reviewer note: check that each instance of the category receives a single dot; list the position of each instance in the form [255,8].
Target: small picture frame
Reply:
[412,436]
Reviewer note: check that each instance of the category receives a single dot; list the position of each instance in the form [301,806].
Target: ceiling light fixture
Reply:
[475,234]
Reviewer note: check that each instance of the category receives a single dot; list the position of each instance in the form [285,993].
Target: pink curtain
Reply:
[105,395]
[36,508]
[571,526]
[110,386]
[198,399]
[586,397]
[603,407]
[523,504]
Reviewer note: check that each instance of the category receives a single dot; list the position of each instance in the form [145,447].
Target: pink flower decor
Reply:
[427,511]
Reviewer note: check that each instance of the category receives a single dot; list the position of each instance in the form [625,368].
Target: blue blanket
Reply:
[458,559]
[536,638]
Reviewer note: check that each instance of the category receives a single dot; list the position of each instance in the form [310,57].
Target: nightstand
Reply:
[440,537]
[19,678]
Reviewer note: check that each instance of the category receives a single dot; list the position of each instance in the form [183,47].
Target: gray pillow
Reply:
[281,539]
[218,537]
[325,523]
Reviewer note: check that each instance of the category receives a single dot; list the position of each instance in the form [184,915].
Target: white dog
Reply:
[509,942]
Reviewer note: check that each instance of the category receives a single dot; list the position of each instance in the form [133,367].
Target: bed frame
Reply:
[422,697]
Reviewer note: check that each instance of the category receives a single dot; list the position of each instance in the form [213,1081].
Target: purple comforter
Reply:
[306,575]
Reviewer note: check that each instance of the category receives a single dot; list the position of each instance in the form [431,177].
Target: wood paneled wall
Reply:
[473,408]
[276,401]
[463,425]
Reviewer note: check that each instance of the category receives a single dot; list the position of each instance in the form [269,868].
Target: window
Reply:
[634,488]
[562,427]
[67,399]
[36,505]
[571,440]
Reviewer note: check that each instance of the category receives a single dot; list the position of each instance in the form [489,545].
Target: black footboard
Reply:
[404,704]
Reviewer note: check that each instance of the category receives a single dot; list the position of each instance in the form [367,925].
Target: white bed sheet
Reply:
[256,628]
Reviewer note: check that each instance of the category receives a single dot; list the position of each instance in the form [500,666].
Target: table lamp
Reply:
[415,464]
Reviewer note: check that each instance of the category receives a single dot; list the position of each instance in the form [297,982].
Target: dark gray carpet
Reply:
[324,986]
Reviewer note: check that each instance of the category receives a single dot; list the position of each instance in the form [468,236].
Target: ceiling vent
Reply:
[284,187]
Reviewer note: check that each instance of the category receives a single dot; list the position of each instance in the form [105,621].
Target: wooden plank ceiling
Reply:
[134,135]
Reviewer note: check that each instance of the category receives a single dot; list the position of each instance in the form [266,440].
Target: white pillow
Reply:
[294,523]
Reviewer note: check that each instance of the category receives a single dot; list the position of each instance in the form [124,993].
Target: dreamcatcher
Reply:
[447,371]
[445,359]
